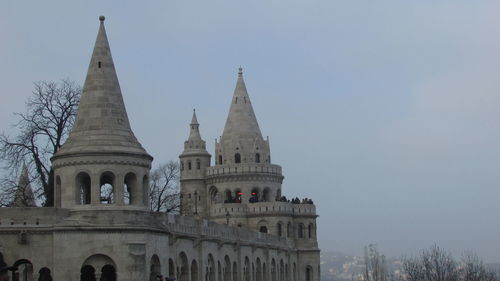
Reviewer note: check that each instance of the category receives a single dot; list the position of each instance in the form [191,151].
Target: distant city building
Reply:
[235,223]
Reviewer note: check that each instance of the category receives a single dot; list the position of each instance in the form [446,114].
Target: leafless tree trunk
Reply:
[50,114]
[375,265]
[164,191]
[473,269]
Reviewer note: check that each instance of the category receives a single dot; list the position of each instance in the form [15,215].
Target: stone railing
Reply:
[261,208]
[254,168]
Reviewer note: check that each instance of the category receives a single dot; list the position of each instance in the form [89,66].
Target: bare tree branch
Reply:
[164,191]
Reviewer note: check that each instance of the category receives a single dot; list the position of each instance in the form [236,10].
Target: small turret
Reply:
[24,196]
[193,161]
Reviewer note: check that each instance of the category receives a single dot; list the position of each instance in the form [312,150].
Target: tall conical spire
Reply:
[102,123]
[194,143]
[241,121]
[24,196]
[194,134]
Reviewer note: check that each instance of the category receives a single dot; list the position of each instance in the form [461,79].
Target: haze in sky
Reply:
[385,113]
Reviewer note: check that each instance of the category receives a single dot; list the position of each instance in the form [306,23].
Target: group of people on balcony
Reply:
[295,200]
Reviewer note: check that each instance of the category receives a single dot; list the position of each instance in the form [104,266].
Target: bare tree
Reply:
[50,114]
[473,269]
[438,265]
[164,194]
[375,265]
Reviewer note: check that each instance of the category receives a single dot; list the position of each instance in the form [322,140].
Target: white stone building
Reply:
[234,223]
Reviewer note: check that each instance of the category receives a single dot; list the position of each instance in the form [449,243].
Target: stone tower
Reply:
[194,161]
[101,165]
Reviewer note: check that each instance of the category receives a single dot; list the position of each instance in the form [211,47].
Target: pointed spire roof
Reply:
[194,144]
[24,196]
[241,121]
[102,123]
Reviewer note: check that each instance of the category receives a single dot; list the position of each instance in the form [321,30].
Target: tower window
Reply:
[182,165]
[99,64]
[189,165]
[198,164]
[237,158]
[220,159]
[257,158]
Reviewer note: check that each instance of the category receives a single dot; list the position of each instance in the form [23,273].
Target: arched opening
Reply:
[228,198]
[87,273]
[246,270]
[279,229]
[194,271]
[171,268]
[263,229]
[257,158]
[266,194]
[310,229]
[264,272]
[198,164]
[273,271]
[219,271]
[184,267]
[309,273]
[107,188]
[82,183]
[189,165]
[210,270]
[237,158]
[254,196]
[227,268]
[287,277]
[282,271]
[130,190]
[300,231]
[44,274]
[98,263]
[220,160]
[235,272]
[154,268]
[258,270]
[238,197]
[24,271]
[289,229]
[214,194]
[294,273]
[108,273]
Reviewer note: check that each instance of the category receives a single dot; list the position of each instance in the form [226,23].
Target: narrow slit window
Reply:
[99,64]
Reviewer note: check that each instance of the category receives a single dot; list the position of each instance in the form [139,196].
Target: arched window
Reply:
[220,160]
[130,190]
[83,188]
[194,270]
[25,270]
[183,269]
[300,230]
[58,191]
[310,229]
[235,271]
[228,196]
[289,229]
[107,195]
[214,193]
[266,194]
[87,273]
[182,165]
[309,273]
[227,268]
[279,229]
[198,164]
[238,194]
[189,165]
[155,268]
[108,273]
[44,274]
[263,229]
[257,158]
[254,196]
[237,158]
[171,268]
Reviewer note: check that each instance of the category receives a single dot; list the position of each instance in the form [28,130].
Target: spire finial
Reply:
[102,18]
[240,72]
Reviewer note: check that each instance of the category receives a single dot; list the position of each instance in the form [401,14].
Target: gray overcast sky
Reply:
[386,113]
